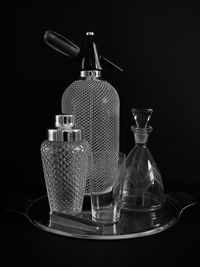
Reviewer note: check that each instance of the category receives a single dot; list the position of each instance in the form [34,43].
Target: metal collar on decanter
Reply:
[90,74]
[65,131]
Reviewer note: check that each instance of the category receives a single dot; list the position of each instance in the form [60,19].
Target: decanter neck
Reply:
[141,135]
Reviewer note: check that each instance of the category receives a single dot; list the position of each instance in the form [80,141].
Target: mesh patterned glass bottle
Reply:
[143,187]
[65,163]
[95,105]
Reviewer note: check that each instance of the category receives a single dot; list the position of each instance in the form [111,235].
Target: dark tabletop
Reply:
[25,245]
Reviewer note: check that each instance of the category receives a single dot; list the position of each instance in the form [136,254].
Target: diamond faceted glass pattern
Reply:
[65,171]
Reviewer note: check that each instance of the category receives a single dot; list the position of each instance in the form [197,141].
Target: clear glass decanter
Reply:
[142,187]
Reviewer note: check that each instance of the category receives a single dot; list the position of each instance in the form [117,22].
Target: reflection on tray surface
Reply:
[132,224]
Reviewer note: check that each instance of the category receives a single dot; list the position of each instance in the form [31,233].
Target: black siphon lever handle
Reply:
[61,44]
[67,48]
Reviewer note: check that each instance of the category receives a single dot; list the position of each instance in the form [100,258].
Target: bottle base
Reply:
[141,202]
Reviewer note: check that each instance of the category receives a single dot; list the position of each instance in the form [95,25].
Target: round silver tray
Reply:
[131,224]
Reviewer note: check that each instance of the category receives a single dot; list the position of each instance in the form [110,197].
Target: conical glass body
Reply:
[143,187]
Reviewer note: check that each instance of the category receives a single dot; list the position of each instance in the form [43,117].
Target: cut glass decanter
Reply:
[143,187]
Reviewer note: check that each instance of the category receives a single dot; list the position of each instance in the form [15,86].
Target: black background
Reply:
[157,43]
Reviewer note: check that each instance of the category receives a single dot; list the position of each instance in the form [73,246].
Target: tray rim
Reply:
[169,198]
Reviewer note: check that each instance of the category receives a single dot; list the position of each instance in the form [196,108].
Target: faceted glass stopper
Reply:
[142,116]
